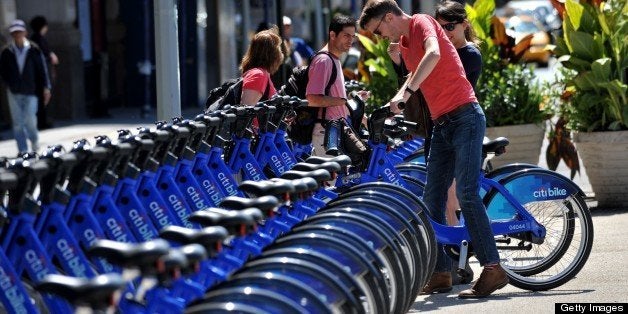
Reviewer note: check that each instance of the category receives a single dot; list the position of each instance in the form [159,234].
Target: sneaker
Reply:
[491,279]
[438,283]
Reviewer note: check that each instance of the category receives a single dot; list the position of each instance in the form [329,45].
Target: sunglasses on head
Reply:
[450,26]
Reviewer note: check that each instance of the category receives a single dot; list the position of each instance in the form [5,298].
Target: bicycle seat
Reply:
[169,267]
[332,167]
[342,160]
[301,185]
[264,203]
[195,254]
[267,187]
[95,293]
[8,180]
[319,175]
[210,238]
[497,146]
[235,222]
[142,255]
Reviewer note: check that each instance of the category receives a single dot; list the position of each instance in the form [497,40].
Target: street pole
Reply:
[167,60]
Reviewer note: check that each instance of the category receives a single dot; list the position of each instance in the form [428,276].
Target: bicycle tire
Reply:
[263,299]
[415,170]
[416,157]
[566,216]
[416,203]
[505,170]
[377,232]
[414,235]
[370,280]
[312,275]
[225,307]
[293,289]
[339,274]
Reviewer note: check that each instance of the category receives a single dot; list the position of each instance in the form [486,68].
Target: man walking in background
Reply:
[23,70]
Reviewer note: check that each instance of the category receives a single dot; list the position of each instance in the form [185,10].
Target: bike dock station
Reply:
[203,215]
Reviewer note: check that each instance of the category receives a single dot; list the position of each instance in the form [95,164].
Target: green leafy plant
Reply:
[506,88]
[380,77]
[560,146]
[594,45]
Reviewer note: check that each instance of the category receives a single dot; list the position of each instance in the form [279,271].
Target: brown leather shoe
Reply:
[438,283]
[489,281]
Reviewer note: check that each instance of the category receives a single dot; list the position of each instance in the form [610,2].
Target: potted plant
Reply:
[377,71]
[506,89]
[593,48]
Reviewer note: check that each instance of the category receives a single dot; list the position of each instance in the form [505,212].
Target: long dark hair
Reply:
[452,11]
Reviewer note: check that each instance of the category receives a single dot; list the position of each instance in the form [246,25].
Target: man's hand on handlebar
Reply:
[394,104]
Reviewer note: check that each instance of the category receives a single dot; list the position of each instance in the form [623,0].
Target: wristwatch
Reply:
[409,90]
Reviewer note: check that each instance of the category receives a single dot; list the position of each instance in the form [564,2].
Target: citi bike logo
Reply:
[255,175]
[159,213]
[229,187]
[11,293]
[211,191]
[116,230]
[195,196]
[71,258]
[178,207]
[287,160]
[549,192]
[277,163]
[90,237]
[392,177]
[142,227]
[36,264]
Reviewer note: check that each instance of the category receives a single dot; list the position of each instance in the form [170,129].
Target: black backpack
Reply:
[306,117]
[229,93]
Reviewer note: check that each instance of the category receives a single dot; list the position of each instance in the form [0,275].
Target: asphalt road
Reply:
[604,279]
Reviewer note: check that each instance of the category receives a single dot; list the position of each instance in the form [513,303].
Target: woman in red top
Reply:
[262,59]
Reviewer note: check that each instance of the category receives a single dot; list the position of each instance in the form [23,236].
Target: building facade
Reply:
[106,48]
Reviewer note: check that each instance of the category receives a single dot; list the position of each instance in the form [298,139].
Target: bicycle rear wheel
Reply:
[557,204]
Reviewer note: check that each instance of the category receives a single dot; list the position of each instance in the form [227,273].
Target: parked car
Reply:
[522,25]
[541,10]
[349,62]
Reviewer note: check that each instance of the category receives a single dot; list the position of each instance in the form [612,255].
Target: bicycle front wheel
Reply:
[558,205]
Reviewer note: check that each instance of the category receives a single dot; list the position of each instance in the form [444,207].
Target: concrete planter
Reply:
[605,159]
[525,143]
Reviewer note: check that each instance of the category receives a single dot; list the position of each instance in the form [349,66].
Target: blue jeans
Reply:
[456,151]
[24,119]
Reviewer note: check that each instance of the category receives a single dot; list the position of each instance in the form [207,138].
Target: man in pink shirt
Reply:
[459,125]
[341,34]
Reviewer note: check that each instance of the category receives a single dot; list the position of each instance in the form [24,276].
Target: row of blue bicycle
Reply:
[365,245]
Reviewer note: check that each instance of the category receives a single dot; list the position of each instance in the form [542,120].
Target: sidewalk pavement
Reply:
[66,132]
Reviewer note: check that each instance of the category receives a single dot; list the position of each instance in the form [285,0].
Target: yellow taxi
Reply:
[520,26]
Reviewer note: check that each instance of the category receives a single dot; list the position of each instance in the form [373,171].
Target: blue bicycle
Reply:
[541,222]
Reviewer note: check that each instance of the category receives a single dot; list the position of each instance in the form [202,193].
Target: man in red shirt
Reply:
[459,125]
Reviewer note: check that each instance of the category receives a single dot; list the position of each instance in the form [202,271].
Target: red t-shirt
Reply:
[258,79]
[446,88]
